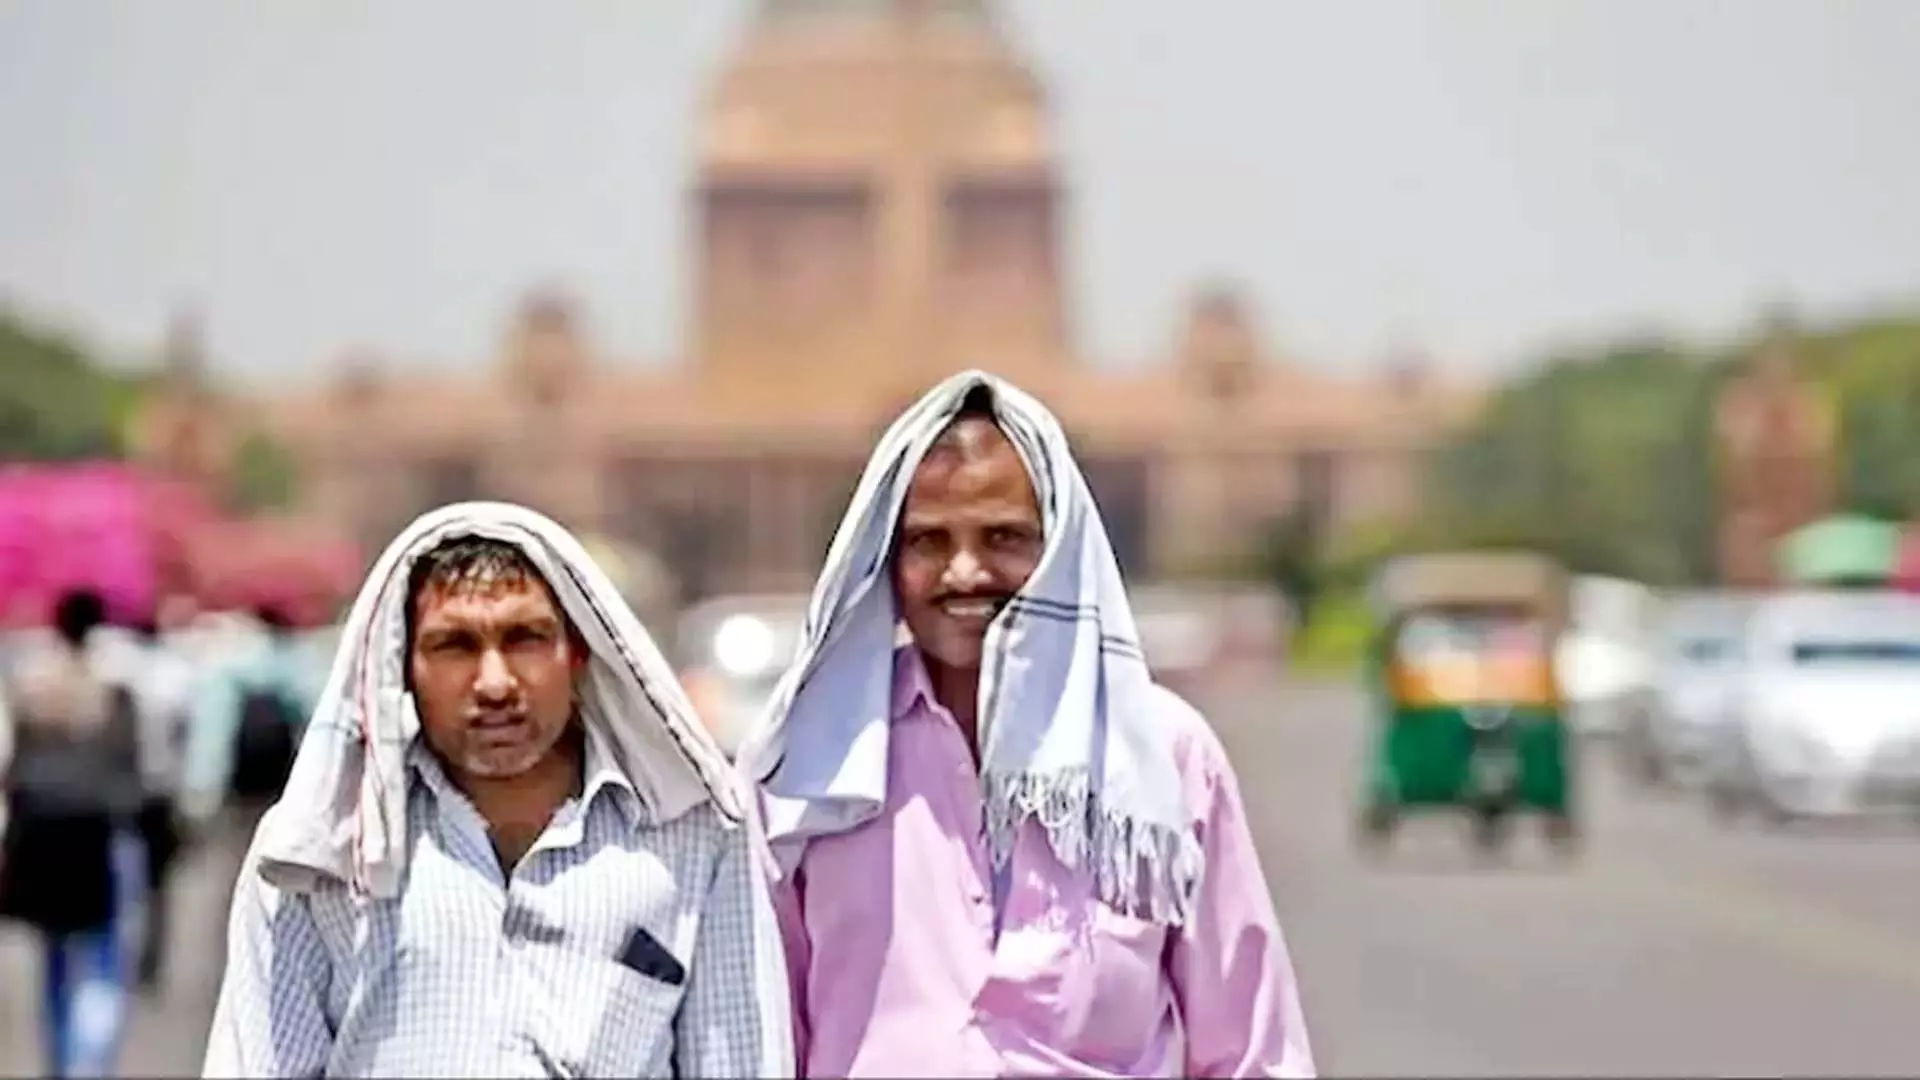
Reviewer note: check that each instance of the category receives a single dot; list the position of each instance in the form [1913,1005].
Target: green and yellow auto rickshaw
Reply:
[1467,708]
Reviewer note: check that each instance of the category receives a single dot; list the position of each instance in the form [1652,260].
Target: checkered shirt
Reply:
[474,972]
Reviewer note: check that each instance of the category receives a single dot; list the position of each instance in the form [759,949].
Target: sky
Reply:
[1478,180]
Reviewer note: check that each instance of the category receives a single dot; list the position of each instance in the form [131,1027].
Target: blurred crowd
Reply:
[122,746]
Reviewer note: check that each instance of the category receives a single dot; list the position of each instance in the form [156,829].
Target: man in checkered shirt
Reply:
[554,914]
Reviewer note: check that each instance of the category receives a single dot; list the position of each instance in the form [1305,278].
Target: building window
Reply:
[1227,379]
[792,247]
[1122,491]
[999,244]
[1316,479]
[700,545]
[691,513]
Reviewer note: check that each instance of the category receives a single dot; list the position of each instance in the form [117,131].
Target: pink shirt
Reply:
[890,937]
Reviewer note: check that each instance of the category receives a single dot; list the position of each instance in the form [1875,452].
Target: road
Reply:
[1669,947]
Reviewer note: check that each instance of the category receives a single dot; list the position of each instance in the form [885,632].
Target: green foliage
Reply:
[265,476]
[1335,638]
[1589,458]
[1874,371]
[56,402]
[1285,556]
[1607,458]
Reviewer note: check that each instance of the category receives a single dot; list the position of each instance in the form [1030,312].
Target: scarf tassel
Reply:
[1143,870]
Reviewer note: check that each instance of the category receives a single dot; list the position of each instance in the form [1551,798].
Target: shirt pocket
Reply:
[1125,981]
[615,1021]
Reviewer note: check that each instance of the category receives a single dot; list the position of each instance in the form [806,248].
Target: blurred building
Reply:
[204,547]
[1779,449]
[877,203]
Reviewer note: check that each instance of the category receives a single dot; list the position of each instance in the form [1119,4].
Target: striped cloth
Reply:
[1073,740]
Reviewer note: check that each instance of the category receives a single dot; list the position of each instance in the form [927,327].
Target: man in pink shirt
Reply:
[1000,849]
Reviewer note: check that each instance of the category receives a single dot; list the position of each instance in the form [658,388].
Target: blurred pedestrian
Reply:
[163,683]
[1002,849]
[248,714]
[507,847]
[72,867]
[251,705]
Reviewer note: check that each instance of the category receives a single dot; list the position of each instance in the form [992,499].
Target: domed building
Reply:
[878,203]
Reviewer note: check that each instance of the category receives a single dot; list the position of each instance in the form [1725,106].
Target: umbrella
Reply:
[1845,548]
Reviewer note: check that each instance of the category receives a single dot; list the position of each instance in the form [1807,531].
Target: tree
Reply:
[1874,370]
[1288,557]
[56,401]
[1607,458]
[1592,457]
[265,476]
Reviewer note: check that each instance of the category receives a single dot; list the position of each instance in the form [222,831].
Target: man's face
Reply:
[493,673]
[970,537]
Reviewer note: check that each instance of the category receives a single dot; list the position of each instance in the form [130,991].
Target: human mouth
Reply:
[972,610]
[498,721]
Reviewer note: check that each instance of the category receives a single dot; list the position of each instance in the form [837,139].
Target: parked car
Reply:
[1826,715]
[1696,666]
[1602,658]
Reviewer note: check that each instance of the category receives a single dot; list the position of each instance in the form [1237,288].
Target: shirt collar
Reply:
[601,771]
[912,686]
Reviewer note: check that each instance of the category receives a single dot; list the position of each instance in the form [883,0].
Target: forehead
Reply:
[485,599]
[973,462]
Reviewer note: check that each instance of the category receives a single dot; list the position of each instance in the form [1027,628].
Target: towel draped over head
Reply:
[343,813]
[1073,739]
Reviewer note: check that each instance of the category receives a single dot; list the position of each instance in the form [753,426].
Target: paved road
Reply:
[1671,947]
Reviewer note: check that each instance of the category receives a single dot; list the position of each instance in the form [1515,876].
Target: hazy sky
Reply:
[1481,176]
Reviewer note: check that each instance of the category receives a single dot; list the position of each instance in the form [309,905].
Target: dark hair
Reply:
[467,560]
[77,613]
[274,618]
[978,404]
[145,628]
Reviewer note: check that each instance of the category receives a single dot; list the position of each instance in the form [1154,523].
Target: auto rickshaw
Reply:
[1468,711]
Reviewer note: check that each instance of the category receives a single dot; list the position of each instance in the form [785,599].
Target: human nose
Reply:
[965,572]
[495,680]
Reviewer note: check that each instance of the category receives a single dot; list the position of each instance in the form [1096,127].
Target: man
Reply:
[162,681]
[71,867]
[1001,849]
[250,704]
[246,721]
[507,847]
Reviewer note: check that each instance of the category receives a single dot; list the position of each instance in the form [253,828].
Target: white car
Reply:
[1697,667]
[1602,659]
[1827,709]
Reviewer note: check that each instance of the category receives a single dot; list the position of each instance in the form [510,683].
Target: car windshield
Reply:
[1430,636]
[1707,651]
[1841,652]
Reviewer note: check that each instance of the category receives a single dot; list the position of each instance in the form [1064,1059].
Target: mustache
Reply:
[998,599]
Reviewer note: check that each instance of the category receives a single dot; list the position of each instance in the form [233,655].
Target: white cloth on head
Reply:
[343,813]
[1066,709]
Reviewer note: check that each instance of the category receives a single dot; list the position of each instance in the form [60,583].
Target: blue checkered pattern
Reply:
[471,972]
